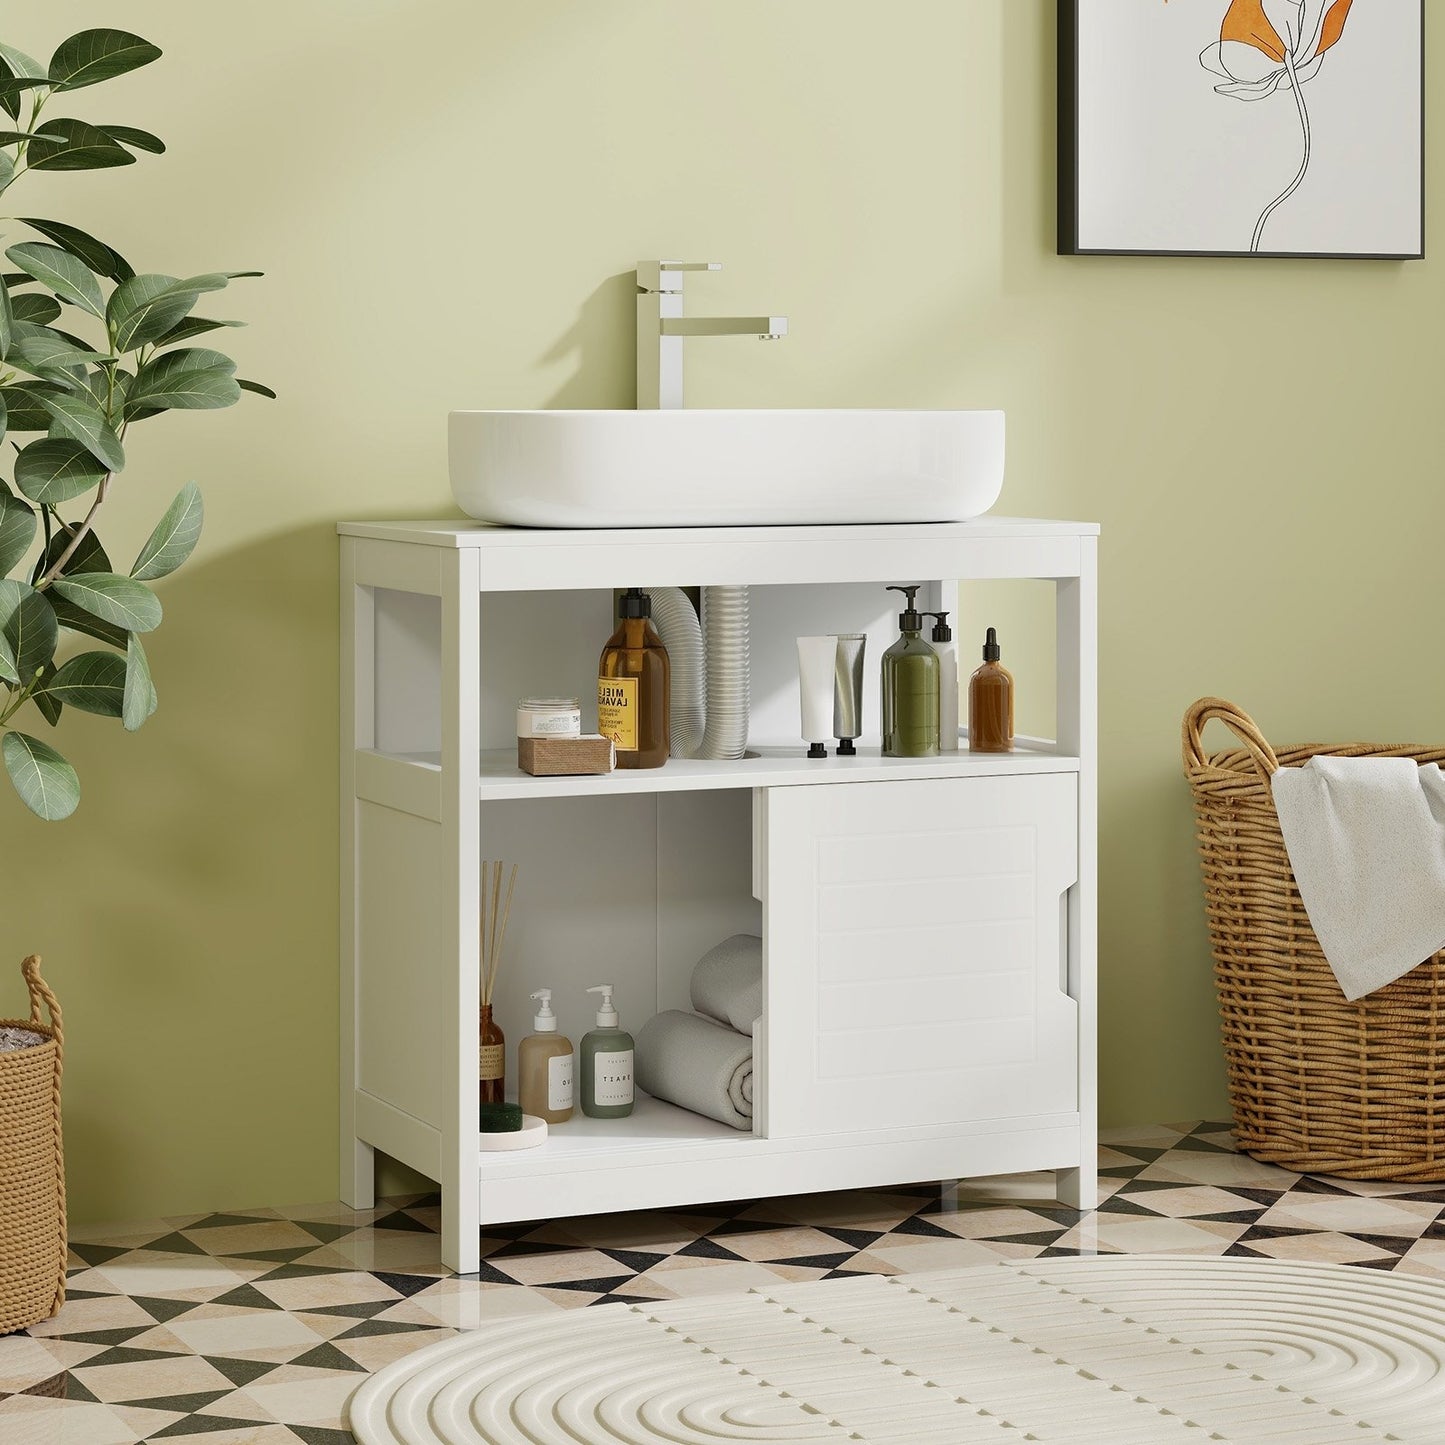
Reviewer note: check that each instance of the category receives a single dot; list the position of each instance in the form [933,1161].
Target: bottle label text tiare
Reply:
[617,711]
[559,1082]
[612,1075]
[489,1061]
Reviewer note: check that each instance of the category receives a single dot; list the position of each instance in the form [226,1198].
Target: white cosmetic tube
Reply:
[816,659]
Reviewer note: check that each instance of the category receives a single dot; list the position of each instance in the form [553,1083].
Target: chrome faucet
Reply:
[661,328]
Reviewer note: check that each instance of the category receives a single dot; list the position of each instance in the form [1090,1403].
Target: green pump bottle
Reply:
[910,688]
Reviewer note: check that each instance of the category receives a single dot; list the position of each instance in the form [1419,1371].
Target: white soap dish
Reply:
[532,1133]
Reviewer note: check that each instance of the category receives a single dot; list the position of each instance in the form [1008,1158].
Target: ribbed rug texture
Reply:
[1128,1350]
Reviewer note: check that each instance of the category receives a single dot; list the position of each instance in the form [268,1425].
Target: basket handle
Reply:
[1238,722]
[40,994]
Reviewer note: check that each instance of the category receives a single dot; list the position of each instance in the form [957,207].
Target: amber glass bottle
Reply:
[491,1061]
[634,683]
[991,703]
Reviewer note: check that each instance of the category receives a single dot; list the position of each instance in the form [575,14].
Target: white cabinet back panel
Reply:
[915,952]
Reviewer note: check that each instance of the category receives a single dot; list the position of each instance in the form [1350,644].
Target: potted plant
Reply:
[88,349]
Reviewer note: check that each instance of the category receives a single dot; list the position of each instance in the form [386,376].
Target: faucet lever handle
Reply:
[664,275]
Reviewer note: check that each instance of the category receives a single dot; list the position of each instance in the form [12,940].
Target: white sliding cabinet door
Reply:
[915,952]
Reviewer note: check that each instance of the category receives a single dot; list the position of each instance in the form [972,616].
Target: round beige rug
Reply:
[1128,1350]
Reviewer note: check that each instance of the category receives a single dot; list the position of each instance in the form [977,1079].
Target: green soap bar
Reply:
[499,1118]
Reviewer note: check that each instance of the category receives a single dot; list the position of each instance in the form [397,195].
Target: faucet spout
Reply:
[763,327]
[661,329]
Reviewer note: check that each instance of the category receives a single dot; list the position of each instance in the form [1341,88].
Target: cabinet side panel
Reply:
[584,911]
[704,883]
[408,672]
[401,959]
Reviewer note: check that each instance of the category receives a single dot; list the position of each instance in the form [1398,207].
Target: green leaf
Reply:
[193,379]
[7,320]
[256,387]
[57,469]
[49,708]
[89,556]
[23,409]
[192,326]
[4,417]
[91,681]
[7,664]
[50,354]
[47,784]
[146,307]
[140,692]
[14,137]
[112,598]
[23,66]
[68,276]
[102,259]
[17,531]
[34,307]
[96,55]
[76,619]
[7,169]
[141,140]
[71,145]
[81,419]
[174,538]
[29,626]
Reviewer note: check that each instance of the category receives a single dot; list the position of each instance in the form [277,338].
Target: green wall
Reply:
[448,196]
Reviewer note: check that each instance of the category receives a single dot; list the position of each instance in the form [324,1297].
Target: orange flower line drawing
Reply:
[1269,45]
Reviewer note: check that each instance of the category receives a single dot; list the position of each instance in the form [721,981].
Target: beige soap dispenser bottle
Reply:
[544,1062]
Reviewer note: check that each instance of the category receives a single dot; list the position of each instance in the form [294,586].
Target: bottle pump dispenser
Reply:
[607,1057]
[544,1061]
[947,650]
[910,687]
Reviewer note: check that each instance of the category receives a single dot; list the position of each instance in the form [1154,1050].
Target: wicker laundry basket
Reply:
[1318,1084]
[32,1168]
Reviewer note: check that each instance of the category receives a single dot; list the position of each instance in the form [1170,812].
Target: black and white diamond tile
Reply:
[253,1327]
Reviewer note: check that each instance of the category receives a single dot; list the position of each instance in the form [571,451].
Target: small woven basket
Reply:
[32,1168]
[1318,1084]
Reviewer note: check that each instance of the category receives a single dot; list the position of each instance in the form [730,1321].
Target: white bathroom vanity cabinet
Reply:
[928,924]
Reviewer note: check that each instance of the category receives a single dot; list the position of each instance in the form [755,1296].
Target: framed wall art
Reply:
[1241,127]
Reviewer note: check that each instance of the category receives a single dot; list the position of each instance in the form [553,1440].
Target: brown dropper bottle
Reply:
[991,703]
[634,686]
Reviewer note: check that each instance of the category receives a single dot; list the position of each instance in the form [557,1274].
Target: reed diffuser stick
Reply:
[483,934]
[496,911]
[506,914]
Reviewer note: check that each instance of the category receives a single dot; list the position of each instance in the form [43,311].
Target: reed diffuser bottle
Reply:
[492,1043]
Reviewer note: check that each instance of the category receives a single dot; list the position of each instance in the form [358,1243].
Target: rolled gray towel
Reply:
[727,984]
[699,1065]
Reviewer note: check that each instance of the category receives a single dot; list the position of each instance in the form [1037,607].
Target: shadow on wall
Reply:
[602,341]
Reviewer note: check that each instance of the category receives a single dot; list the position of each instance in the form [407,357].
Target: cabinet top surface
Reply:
[466,534]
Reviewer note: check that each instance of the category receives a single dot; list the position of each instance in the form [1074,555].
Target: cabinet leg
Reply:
[358,1182]
[461,1235]
[1077,1188]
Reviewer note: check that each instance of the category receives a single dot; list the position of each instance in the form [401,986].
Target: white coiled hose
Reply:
[676,622]
[710,672]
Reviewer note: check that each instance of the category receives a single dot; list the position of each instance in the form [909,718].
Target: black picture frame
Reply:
[1068,169]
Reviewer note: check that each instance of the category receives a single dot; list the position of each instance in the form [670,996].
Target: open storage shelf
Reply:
[966,880]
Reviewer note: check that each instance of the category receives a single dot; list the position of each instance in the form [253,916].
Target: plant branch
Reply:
[1294,185]
[81,532]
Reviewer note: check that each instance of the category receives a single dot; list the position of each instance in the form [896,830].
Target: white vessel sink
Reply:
[724,468]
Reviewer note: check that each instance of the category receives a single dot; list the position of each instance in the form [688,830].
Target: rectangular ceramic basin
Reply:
[724,468]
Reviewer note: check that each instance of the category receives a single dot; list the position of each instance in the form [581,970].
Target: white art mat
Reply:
[1237,126]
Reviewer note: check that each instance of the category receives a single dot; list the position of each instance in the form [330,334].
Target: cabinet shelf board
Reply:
[770,767]
[582,1142]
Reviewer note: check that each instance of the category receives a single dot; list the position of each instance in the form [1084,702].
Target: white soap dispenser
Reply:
[607,1053]
[947,650]
[544,1064]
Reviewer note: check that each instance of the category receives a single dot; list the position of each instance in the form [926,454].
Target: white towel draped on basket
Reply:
[1366,840]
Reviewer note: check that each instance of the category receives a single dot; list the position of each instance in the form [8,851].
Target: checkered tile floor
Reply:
[252,1328]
